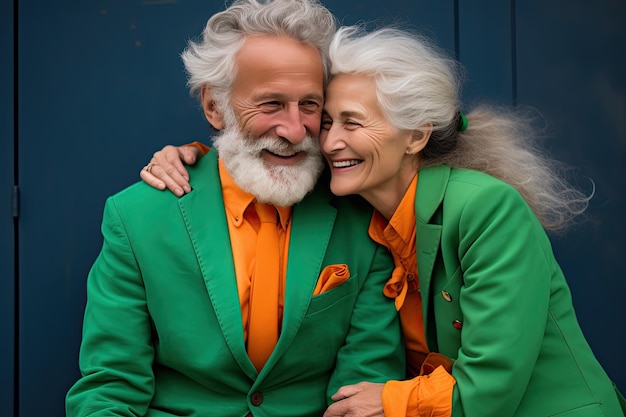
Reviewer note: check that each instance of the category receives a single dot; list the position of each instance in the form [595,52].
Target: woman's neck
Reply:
[387,197]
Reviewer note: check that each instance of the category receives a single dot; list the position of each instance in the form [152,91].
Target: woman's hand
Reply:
[166,168]
[361,400]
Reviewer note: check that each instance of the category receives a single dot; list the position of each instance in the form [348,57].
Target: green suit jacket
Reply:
[497,302]
[163,329]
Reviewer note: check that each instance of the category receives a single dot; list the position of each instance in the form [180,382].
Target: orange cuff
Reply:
[427,395]
[200,146]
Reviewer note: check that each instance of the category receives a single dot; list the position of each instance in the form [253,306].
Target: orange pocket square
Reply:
[332,276]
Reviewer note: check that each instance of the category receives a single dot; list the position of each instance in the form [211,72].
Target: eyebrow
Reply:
[347,114]
[316,97]
[278,96]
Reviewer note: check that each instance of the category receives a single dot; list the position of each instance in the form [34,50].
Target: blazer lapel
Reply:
[204,215]
[431,188]
[312,225]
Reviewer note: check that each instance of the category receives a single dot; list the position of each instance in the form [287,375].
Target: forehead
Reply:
[278,65]
[351,92]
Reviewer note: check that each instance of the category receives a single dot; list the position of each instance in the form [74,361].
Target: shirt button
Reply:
[457,324]
[256,398]
[446,295]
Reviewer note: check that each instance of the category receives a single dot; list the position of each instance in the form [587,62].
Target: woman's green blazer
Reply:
[495,300]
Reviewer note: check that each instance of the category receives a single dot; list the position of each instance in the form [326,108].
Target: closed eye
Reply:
[271,104]
[327,123]
[310,106]
[351,124]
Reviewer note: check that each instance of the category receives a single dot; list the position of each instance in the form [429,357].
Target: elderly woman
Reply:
[462,204]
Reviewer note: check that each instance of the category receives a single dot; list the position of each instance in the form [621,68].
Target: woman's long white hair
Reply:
[418,84]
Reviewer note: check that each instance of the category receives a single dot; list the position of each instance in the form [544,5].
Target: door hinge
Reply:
[15,204]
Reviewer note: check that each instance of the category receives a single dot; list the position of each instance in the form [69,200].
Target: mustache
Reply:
[309,144]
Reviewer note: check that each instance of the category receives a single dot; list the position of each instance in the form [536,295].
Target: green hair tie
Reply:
[462,123]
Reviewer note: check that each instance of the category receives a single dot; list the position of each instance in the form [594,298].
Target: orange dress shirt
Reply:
[243,226]
[427,393]
[330,277]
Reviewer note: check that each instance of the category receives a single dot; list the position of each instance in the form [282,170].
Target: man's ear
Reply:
[420,138]
[211,111]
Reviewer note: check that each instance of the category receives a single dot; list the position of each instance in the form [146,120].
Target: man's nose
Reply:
[291,126]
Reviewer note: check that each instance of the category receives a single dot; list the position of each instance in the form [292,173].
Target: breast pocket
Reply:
[341,298]
[326,324]
[591,410]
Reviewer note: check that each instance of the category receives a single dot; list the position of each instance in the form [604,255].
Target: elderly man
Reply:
[257,293]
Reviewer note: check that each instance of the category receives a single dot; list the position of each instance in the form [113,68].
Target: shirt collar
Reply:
[237,201]
[402,221]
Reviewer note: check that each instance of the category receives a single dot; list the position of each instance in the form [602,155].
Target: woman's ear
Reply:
[419,139]
[211,110]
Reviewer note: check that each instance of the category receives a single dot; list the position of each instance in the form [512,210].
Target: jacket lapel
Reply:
[431,186]
[312,224]
[204,215]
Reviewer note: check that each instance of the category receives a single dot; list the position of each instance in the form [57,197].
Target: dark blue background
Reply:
[89,89]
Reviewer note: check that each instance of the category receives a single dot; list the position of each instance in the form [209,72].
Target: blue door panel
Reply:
[571,66]
[432,18]
[7,250]
[486,51]
[101,88]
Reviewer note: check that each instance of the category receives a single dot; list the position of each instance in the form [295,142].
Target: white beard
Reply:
[281,185]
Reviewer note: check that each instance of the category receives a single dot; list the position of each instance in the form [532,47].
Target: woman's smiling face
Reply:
[366,153]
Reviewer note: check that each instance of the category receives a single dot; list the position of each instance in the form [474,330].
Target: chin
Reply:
[341,191]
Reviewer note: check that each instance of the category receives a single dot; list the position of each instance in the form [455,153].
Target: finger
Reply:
[173,157]
[169,169]
[338,409]
[189,154]
[173,164]
[174,182]
[169,158]
[151,180]
[345,392]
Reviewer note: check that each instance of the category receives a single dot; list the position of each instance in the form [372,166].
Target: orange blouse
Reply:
[423,395]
